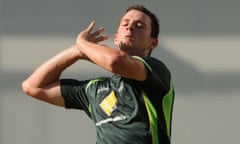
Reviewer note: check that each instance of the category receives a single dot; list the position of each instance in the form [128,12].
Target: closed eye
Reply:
[136,24]
[124,22]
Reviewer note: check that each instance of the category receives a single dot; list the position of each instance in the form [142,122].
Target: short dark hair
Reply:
[154,20]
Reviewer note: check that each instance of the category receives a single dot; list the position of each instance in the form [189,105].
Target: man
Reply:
[135,104]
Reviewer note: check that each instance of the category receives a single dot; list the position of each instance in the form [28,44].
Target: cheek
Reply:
[118,36]
[141,34]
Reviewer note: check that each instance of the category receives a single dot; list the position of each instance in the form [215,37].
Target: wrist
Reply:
[76,52]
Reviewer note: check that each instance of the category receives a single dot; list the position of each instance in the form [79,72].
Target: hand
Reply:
[94,37]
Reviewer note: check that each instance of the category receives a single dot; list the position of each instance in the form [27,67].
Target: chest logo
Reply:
[109,103]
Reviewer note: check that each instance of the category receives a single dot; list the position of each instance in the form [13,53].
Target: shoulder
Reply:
[153,64]
[95,81]
[159,76]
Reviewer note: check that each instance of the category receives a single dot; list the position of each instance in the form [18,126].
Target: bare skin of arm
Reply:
[44,82]
[111,59]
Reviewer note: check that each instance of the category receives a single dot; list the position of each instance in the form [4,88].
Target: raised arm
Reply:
[111,59]
[44,84]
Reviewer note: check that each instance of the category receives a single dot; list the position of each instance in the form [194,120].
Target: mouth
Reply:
[129,37]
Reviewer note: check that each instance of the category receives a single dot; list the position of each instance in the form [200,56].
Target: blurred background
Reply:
[199,42]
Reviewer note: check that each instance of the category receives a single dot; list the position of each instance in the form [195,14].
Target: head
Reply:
[138,31]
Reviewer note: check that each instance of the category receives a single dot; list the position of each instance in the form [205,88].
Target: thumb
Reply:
[91,26]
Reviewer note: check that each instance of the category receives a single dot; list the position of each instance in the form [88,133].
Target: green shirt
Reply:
[126,111]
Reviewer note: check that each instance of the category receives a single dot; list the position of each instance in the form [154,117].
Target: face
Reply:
[134,34]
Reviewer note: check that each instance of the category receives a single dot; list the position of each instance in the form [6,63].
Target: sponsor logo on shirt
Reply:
[109,103]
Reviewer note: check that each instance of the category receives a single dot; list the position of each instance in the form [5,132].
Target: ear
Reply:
[154,43]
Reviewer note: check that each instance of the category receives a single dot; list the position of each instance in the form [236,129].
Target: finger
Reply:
[98,32]
[123,45]
[100,38]
[91,26]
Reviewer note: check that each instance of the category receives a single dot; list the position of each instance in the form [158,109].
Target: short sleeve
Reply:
[158,75]
[73,92]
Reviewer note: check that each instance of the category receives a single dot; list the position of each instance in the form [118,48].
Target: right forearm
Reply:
[51,70]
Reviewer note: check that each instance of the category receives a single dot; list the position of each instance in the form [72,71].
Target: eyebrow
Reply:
[127,20]
[124,20]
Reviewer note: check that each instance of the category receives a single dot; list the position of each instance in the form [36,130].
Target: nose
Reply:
[130,27]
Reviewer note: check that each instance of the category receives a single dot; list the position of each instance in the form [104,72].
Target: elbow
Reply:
[27,89]
[115,62]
